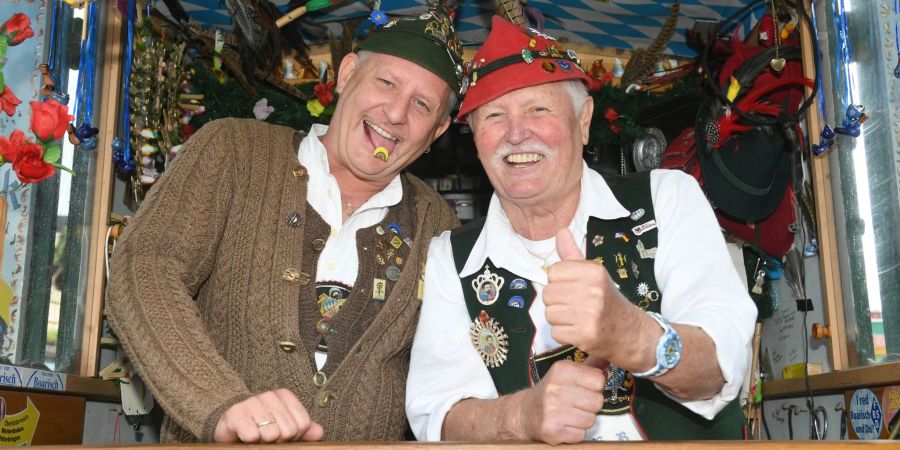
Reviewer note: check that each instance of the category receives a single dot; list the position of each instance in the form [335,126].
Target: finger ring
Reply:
[265,422]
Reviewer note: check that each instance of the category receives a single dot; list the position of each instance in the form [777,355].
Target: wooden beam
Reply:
[829,260]
[109,93]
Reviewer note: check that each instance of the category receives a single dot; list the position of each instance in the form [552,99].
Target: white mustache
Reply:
[526,147]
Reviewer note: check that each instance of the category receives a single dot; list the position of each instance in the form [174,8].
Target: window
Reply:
[865,173]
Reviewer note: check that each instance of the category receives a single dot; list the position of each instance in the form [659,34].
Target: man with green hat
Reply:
[268,288]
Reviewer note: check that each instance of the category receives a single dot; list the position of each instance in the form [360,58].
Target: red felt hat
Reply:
[511,59]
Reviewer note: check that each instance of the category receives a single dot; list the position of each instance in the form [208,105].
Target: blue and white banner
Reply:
[624,24]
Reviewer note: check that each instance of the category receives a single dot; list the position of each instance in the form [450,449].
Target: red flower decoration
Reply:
[325,93]
[615,128]
[49,120]
[17,29]
[611,115]
[27,158]
[8,101]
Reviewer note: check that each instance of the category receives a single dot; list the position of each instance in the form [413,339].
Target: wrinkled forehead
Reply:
[400,70]
[545,93]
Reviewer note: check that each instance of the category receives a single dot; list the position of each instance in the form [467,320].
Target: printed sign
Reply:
[31,418]
[32,378]
[18,429]
[865,414]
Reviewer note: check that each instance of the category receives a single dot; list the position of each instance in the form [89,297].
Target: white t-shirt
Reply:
[693,270]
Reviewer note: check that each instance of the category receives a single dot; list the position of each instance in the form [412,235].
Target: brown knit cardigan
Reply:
[203,299]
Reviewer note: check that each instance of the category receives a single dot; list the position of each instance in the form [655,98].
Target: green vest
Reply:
[498,302]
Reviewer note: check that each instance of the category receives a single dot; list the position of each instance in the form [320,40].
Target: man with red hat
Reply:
[588,307]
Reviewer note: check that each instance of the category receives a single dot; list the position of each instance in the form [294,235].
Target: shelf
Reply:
[878,375]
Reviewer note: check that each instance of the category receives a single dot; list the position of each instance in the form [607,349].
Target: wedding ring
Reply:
[265,422]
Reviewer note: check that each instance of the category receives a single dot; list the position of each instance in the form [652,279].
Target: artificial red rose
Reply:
[8,101]
[615,128]
[49,120]
[325,93]
[27,158]
[30,166]
[9,148]
[17,29]
[187,130]
[611,115]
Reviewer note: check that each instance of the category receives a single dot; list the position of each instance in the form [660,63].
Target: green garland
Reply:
[230,99]
[604,136]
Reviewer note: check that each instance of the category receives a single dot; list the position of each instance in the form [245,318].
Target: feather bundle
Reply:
[727,125]
[643,60]
[512,10]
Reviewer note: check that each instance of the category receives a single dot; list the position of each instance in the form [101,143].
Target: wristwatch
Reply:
[668,349]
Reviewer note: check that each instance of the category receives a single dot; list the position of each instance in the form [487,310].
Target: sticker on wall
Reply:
[866,416]
[18,429]
[890,402]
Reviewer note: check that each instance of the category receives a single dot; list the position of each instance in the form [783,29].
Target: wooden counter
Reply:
[660,445]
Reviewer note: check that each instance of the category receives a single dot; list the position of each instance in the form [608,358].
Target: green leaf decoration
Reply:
[62,167]
[52,154]
[2,81]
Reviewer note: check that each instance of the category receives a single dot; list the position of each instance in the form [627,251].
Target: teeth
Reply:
[523,158]
[380,131]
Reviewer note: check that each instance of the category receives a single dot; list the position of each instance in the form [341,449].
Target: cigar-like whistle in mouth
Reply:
[381,153]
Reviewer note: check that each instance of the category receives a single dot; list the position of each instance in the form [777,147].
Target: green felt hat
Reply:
[428,40]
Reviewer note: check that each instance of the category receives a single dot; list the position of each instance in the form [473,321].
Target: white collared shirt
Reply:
[693,270]
[339,260]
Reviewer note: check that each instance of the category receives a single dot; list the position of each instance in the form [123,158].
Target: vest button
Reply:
[298,172]
[291,275]
[293,219]
[287,346]
[318,244]
[323,326]
[319,379]
[324,399]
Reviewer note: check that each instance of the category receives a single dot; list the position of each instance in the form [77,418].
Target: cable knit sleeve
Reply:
[166,253]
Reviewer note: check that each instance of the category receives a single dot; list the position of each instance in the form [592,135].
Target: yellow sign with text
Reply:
[18,429]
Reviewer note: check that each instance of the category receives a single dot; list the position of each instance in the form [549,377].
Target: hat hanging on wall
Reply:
[745,177]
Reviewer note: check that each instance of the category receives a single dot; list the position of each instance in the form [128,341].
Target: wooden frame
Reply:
[110,92]
[825,220]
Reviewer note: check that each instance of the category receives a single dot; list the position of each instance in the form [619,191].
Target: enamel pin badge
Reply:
[487,287]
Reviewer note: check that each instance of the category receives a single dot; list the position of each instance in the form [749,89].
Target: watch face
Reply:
[673,351]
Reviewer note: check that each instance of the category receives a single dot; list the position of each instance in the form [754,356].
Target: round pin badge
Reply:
[489,340]
[392,273]
[548,67]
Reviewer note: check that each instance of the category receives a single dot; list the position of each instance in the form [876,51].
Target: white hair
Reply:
[453,99]
[577,93]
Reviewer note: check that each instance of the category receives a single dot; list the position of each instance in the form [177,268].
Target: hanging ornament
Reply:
[85,134]
[854,117]
[121,147]
[825,143]
[777,63]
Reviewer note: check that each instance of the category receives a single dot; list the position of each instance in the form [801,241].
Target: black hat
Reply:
[747,175]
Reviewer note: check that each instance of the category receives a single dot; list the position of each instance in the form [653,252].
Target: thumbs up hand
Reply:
[583,306]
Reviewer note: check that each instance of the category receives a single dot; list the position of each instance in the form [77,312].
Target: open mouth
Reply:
[380,137]
[523,159]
